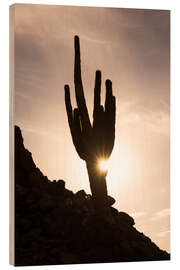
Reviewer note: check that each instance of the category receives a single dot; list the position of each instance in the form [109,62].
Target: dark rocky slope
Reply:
[55,226]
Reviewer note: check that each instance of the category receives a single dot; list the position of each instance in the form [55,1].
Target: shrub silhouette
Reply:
[95,141]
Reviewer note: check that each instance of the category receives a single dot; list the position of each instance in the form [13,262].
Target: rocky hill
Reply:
[53,225]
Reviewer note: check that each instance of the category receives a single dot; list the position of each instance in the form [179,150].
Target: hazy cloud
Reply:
[138,214]
[163,234]
[164,213]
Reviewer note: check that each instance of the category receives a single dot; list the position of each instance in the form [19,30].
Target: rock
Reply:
[61,184]
[80,197]
[18,137]
[114,211]
[111,201]
[126,219]
[81,194]
[26,160]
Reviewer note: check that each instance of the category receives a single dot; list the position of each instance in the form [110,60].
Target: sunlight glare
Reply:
[103,165]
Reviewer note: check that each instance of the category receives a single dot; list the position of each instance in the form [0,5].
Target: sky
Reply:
[131,48]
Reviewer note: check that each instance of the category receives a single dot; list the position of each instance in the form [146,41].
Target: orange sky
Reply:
[130,47]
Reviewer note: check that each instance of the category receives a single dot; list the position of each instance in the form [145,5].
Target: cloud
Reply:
[164,213]
[163,234]
[140,112]
[137,214]
[41,132]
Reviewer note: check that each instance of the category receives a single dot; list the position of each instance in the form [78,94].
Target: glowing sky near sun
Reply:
[130,47]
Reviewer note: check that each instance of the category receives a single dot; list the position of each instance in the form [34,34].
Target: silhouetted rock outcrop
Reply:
[55,226]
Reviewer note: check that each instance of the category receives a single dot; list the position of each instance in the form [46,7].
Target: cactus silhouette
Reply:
[93,142]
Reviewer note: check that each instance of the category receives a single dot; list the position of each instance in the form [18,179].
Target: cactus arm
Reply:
[113,111]
[108,96]
[74,124]
[98,110]
[97,94]
[78,138]
[68,107]
[79,88]
[109,128]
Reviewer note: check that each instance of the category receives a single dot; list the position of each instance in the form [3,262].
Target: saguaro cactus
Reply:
[93,142]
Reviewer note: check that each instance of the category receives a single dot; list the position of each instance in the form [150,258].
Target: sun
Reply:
[103,165]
